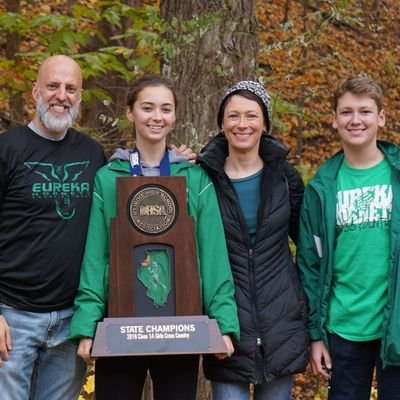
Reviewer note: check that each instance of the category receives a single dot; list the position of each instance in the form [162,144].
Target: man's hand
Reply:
[5,340]
[229,348]
[320,359]
[84,349]
[185,151]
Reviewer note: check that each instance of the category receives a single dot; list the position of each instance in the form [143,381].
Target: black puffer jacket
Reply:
[271,304]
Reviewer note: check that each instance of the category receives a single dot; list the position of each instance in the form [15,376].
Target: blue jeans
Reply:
[353,367]
[280,389]
[42,364]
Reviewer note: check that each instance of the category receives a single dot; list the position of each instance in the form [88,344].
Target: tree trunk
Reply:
[304,61]
[286,15]
[16,102]
[375,11]
[220,54]
[217,55]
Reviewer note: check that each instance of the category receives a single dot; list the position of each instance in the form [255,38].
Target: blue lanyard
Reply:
[136,169]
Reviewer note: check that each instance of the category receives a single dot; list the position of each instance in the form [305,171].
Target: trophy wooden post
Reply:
[154,293]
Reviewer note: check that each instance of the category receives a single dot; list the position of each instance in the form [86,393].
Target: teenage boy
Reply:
[348,252]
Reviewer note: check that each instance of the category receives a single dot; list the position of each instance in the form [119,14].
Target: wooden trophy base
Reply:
[134,336]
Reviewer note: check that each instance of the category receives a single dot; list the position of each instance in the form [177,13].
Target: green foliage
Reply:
[318,20]
[87,95]
[390,66]
[283,108]
[81,36]
[339,12]
[11,22]
[43,34]
[306,171]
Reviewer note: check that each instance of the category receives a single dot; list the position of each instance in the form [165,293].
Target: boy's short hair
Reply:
[359,86]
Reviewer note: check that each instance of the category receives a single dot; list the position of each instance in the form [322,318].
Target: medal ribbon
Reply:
[136,169]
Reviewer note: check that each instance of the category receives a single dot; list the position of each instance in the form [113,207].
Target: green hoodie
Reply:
[316,247]
[216,281]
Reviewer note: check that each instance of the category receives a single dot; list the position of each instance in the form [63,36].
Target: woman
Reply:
[151,109]
[259,195]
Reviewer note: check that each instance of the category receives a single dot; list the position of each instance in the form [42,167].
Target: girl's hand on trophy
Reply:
[229,348]
[84,349]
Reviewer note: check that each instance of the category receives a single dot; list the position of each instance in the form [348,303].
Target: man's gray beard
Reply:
[54,123]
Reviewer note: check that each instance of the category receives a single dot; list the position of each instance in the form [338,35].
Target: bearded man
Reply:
[46,176]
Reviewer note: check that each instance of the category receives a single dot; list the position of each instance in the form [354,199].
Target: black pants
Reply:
[353,367]
[122,378]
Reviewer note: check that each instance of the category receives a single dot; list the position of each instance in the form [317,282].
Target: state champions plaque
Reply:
[154,294]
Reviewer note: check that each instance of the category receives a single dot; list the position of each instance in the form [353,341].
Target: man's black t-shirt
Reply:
[45,197]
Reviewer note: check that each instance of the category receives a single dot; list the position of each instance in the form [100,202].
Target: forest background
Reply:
[300,50]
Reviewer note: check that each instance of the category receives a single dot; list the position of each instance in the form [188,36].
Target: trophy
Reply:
[154,293]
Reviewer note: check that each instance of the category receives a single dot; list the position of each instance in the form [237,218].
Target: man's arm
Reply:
[5,332]
[3,185]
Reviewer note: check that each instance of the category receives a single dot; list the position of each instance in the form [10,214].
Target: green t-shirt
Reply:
[362,248]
